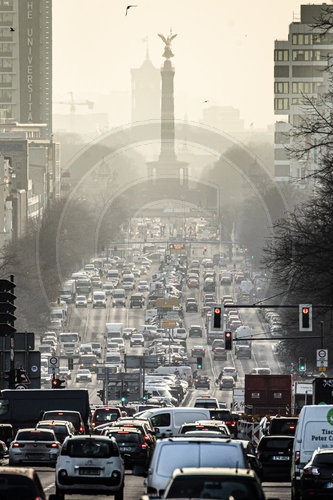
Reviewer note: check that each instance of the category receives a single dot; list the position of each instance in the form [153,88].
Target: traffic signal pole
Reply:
[12,350]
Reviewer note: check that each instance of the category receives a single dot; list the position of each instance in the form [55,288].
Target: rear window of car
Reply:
[106,415]
[213,487]
[286,427]
[126,437]
[90,448]
[71,417]
[275,444]
[192,454]
[18,486]
[35,435]
[221,415]
[323,459]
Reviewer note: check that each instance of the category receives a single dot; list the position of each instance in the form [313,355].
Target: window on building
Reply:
[6,80]
[282,170]
[308,71]
[298,101]
[280,154]
[306,38]
[5,96]
[305,87]
[281,104]
[282,137]
[306,55]
[281,55]
[6,18]
[281,87]
[6,63]
[281,71]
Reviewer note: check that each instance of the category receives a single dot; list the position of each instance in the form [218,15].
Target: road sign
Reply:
[54,362]
[322,368]
[323,375]
[322,358]
[170,302]
[34,368]
[20,387]
[169,324]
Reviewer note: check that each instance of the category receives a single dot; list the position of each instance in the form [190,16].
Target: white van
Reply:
[170,454]
[118,297]
[167,421]
[314,430]
[113,359]
[99,299]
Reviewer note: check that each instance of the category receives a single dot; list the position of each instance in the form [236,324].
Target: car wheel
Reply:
[119,494]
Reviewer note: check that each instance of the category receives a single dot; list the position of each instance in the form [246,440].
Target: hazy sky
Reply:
[223,52]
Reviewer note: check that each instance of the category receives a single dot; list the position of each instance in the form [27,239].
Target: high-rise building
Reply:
[146,91]
[299,65]
[26,61]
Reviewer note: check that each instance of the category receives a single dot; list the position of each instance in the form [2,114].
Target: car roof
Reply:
[20,471]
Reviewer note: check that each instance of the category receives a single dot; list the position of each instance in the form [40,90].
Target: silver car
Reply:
[34,446]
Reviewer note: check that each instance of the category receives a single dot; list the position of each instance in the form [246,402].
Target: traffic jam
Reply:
[153,386]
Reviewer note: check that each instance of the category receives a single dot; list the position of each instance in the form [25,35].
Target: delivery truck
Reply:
[268,395]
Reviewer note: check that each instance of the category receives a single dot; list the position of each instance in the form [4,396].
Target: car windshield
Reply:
[221,487]
[89,448]
[35,436]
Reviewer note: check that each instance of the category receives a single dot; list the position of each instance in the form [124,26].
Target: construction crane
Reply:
[73,103]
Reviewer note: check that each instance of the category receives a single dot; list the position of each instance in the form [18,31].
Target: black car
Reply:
[195,331]
[202,381]
[317,477]
[274,453]
[137,300]
[133,448]
[191,305]
[282,426]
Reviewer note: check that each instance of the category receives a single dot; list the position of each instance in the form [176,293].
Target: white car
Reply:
[143,286]
[90,464]
[81,301]
[83,375]
[137,339]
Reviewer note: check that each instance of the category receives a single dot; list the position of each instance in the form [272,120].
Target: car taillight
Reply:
[54,445]
[197,380]
[297,457]
[147,438]
[93,425]
[81,429]
[144,446]
[16,445]
[311,471]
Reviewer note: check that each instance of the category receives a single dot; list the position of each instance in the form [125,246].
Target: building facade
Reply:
[26,61]
[299,70]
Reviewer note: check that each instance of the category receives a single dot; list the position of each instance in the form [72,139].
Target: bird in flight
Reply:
[206,100]
[129,7]
[12,29]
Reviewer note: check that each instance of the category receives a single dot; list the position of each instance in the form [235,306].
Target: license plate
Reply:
[86,471]
[125,448]
[280,458]
[35,455]
[329,485]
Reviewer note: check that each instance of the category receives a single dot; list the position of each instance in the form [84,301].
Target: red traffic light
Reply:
[228,334]
[217,310]
[305,310]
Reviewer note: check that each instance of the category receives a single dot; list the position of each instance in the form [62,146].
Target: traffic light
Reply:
[123,399]
[228,341]
[70,363]
[305,317]
[302,365]
[101,394]
[7,307]
[199,363]
[217,318]
[57,383]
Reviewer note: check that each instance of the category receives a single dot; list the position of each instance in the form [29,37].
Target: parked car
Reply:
[90,464]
